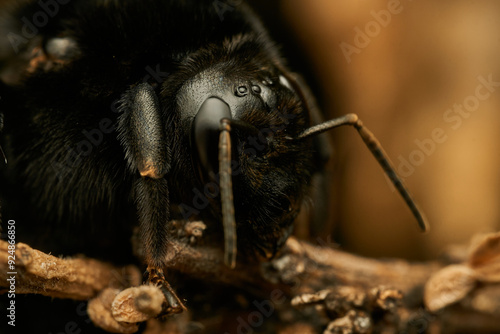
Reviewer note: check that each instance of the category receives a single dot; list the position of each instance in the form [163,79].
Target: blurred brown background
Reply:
[421,61]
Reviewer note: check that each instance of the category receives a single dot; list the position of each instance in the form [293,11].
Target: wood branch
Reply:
[301,267]
[73,278]
[345,288]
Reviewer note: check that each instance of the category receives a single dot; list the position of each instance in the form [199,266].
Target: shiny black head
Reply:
[242,82]
[272,150]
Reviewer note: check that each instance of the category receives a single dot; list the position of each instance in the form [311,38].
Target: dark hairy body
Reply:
[73,158]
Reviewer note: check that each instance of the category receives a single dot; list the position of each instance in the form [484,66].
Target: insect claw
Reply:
[173,304]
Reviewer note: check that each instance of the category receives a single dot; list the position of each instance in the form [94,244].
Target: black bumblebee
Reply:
[136,113]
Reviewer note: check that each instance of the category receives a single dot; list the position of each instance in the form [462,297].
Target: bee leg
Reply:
[172,303]
[153,203]
[140,131]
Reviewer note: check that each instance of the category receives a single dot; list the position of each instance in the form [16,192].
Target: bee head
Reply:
[268,172]
[250,119]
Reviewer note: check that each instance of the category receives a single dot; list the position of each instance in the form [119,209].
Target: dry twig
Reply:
[347,289]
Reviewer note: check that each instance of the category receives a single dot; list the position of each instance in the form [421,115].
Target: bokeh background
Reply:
[401,83]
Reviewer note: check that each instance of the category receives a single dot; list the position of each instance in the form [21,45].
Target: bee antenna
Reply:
[226,188]
[378,152]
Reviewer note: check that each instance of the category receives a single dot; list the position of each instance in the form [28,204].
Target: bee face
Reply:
[235,81]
